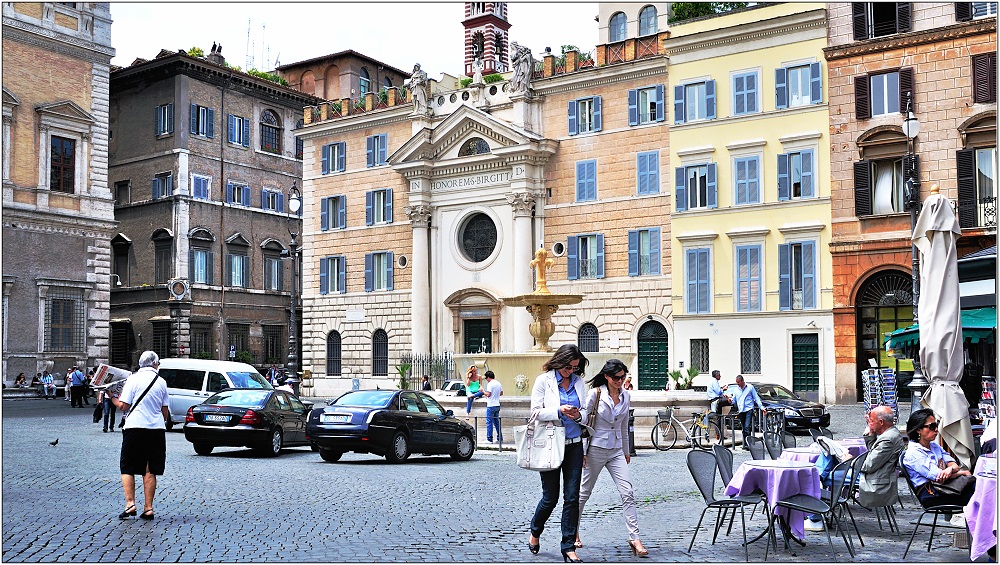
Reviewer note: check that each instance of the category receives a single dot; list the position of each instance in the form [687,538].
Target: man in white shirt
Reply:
[718,399]
[493,393]
[146,406]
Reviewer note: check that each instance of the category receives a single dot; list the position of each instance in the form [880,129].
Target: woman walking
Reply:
[558,396]
[609,448]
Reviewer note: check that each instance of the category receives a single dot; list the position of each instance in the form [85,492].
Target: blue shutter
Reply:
[753,180]
[692,280]
[710,99]
[679,104]
[390,263]
[388,205]
[368,208]
[341,156]
[633,253]
[659,103]
[210,267]
[680,178]
[156,188]
[370,151]
[654,251]
[324,274]
[263,200]
[158,127]
[210,126]
[807,174]
[741,181]
[572,117]
[382,149]
[231,130]
[246,133]
[592,180]
[703,281]
[281,202]
[653,172]
[784,277]
[341,211]
[640,173]
[324,214]
[750,92]
[808,275]
[600,256]
[325,159]
[368,272]
[755,275]
[739,95]
[597,113]
[815,84]
[784,179]
[229,270]
[572,263]
[229,192]
[170,118]
[581,181]
[194,118]
[780,88]
[246,196]
[247,283]
[713,193]
[342,274]
[742,278]
[633,107]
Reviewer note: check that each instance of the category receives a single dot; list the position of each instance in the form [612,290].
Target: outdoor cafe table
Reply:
[777,479]
[811,454]
[981,511]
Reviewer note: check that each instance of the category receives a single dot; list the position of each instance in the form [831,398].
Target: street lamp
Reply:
[294,205]
[911,195]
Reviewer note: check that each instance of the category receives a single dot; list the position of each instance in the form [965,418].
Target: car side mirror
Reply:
[449,413]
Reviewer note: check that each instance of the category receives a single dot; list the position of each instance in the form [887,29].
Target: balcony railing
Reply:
[980,213]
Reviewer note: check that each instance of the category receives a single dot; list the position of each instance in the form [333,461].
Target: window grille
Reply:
[64,311]
[333,354]
[750,355]
[699,354]
[588,338]
[380,354]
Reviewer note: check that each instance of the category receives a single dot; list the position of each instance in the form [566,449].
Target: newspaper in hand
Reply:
[110,379]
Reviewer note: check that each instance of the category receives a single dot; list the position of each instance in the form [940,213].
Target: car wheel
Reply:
[399,448]
[464,448]
[330,456]
[273,448]
[203,449]
[313,447]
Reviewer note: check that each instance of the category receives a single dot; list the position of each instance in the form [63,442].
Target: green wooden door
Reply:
[478,336]
[653,373]
[805,362]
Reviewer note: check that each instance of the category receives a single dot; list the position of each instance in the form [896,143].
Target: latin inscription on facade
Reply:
[472,181]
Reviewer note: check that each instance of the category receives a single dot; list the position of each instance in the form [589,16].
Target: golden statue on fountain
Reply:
[542,303]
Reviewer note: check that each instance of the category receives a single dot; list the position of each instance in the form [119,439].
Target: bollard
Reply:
[631,431]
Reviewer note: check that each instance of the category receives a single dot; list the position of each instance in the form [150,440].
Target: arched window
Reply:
[333,354]
[366,81]
[647,20]
[386,83]
[588,338]
[478,44]
[616,27]
[499,52]
[884,304]
[380,354]
[270,132]
[201,257]
[475,146]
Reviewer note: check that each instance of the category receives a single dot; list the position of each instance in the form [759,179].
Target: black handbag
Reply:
[98,412]
[954,485]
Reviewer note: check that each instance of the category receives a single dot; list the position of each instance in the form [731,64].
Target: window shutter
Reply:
[390,264]
[382,149]
[170,118]
[156,188]
[246,133]
[968,200]
[679,104]
[753,180]
[784,277]
[191,276]
[342,274]
[742,279]
[368,272]
[229,270]
[659,103]
[194,118]
[341,211]
[640,173]
[581,181]
[324,214]
[325,159]
[750,94]
[984,82]
[703,282]
[388,205]
[246,272]
[963,11]
[859,17]
[906,86]
[633,253]
[263,200]
[231,130]
[653,172]
[815,84]
[341,156]
[324,274]
[862,189]
[168,185]
[600,256]
[807,174]
[572,264]
[654,251]
[692,281]
[781,88]
[741,181]
[229,192]
[246,196]
[710,99]
[281,202]
[739,95]
[862,106]
[911,168]
[210,267]
[713,197]
[369,217]
[572,117]
[370,151]
[281,275]
[592,180]
[158,117]
[903,19]
[598,122]
[633,107]
[210,126]
[680,187]
[808,275]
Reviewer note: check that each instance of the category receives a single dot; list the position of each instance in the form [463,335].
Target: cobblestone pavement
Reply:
[61,504]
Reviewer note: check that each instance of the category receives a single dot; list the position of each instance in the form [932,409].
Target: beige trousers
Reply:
[613,460]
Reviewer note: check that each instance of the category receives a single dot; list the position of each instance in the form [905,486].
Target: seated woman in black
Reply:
[929,465]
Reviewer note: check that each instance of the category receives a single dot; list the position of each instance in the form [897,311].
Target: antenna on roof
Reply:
[246,59]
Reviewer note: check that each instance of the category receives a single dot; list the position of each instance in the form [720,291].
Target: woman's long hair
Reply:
[610,368]
[916,421]
[565,355]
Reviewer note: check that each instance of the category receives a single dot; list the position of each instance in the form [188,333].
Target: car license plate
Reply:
[815,420]
[216,418]
[335,418]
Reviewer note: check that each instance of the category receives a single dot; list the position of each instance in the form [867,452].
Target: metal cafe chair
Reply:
[702,466]
[935,510]
[755,445]
[772,441]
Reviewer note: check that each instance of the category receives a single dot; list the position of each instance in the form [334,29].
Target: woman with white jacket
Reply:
[558,396]
[609,448]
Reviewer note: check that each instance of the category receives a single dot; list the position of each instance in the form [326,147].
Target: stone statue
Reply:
[477,75]
[524,66]
[540,264]
[418,86]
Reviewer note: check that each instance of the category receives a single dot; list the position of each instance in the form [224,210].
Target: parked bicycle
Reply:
[699,430]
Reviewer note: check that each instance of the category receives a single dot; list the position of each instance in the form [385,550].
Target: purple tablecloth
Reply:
[981,511]
[777,480]
[811,454]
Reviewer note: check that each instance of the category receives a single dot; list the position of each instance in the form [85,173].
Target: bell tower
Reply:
[486,37]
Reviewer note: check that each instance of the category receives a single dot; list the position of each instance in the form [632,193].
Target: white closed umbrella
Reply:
[940,323]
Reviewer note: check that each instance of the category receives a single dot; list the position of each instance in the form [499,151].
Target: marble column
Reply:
[420,303]
[522,204]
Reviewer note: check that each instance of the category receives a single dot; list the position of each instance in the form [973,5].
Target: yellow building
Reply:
[749,139]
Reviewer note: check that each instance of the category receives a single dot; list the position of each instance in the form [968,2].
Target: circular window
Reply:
[402,261]
[453,98]
[493,90]
[465,95]
[558,248]
[440,100]
[478,238]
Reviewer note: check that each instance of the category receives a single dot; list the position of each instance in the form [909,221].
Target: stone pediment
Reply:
[9,99]
[66,109]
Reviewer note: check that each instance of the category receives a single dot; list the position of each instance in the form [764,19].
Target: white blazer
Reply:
[610,425]
[545,397]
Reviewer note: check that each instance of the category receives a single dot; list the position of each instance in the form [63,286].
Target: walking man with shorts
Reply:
[146,407]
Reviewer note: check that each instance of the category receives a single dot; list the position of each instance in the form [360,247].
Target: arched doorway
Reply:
[884,304]
[653,366]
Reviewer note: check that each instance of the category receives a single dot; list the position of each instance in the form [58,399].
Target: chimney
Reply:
[216,56]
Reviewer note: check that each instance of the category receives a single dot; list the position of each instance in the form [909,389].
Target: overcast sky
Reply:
[399,34]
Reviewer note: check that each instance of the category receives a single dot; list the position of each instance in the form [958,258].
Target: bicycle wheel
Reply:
[705,438]
[774,422]
[664,436]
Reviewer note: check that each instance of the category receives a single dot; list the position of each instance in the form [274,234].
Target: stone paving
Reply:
[61,504]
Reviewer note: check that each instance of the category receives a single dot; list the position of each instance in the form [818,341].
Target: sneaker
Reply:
[814,525]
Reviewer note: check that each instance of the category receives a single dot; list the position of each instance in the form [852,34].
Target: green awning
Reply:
[977,325]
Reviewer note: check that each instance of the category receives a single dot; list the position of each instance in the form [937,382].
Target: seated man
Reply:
[877,486]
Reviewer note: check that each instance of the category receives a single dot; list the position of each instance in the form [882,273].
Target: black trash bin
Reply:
[631,431]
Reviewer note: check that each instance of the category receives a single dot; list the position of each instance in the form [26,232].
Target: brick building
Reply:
[941,57]
[346,74]
[58,216]
[202,159]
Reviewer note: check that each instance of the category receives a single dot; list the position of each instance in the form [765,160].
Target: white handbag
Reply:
[539,447]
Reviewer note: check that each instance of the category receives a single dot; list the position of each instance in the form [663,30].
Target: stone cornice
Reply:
[743,34]
[47,222]
[353,123]
[610,74]
[31,34]
[879,44]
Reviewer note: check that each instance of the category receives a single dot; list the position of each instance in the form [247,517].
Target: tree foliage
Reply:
[196,52]
[688,10]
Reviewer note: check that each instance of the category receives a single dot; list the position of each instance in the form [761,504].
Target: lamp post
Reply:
[911,194]
[294,205]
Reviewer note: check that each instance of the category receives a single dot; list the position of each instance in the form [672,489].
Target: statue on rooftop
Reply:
[524,66]
[418,86]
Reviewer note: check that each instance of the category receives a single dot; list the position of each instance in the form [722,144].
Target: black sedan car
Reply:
[390,423]
[265,420]
[800,414]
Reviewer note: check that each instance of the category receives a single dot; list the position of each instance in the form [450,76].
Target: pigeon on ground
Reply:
[53,443]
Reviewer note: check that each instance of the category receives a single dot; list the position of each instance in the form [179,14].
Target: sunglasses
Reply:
[617,377]
[933,426]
